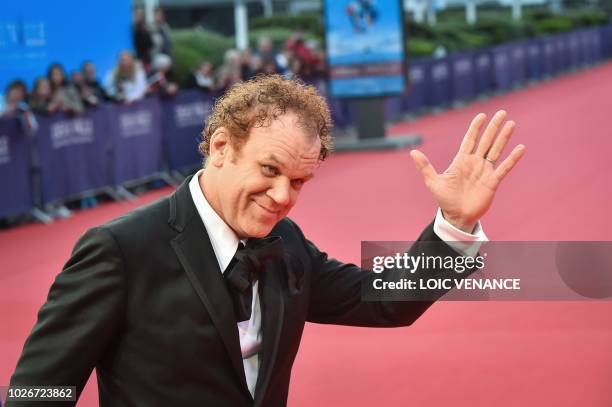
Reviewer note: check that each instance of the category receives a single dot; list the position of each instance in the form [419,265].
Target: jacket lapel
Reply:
[272,307]
[196,255]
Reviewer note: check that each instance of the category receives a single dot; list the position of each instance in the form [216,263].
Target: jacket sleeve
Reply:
[82,314]
[336,289]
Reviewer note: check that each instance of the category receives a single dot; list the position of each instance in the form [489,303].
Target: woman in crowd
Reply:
[15,98]
[128,81]
[202,78]
[63,92]
[16,106]
[230,72]
[41,100]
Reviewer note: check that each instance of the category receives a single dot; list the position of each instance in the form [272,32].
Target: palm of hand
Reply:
[466,189]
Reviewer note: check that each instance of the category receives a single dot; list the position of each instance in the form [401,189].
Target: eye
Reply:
[269,170]
[297,183]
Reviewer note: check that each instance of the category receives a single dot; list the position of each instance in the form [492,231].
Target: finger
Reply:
[506,166]
[490,132]
[423,165]
[501,140]
[469,140]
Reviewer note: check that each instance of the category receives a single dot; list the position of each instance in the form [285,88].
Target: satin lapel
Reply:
[197,257]
[273,307]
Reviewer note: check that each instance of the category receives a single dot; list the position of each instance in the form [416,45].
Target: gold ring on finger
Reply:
[490,160]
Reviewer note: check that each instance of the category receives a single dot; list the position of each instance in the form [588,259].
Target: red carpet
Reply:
[457,354]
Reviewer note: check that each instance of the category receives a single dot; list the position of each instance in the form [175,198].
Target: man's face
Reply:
[258,185]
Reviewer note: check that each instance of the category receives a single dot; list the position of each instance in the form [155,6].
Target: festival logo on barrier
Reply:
[137,123]
[191,114]
[439,72]
[501,59]
[72,132]
[463,66]
[483,61]
[417,74]
[5,153]
[518,54]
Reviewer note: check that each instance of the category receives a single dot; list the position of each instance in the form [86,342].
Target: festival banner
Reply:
[15,168]
[462,72]
[184,118]
[73,154]
[136,134]
[440,82]
[483,72]
[418,87]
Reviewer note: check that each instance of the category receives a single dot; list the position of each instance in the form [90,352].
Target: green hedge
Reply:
[420,48]
[193,46]
[304,22]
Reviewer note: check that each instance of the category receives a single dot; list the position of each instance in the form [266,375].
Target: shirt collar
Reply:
[223,239]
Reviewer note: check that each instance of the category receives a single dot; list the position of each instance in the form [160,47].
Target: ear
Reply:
[220,147]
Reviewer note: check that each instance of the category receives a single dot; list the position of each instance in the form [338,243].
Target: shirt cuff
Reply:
[466,244]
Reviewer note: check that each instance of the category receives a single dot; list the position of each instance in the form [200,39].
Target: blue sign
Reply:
[365,47]
[36,33]
[183,121]
[73,154]
[14,168]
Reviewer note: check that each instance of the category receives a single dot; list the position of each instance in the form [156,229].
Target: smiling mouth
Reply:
[266,209]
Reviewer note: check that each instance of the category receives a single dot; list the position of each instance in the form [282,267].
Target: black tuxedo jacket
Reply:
[143,301]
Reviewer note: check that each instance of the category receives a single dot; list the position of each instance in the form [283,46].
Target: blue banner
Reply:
[502,74]
[72,154]
[440,82]
[462,69]
[341,110]
[36,33]
[534,59]
[136,132]
[573,56]
[393,107]
[606,40]
[596,44]
[518,63]
[483,73]
[15,166]
[184,117]
[562,55]
[418,87]
[549,60]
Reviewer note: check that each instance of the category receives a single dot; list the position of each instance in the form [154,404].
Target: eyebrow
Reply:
[272,157]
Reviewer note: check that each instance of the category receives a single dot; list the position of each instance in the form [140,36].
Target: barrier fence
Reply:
[113,145]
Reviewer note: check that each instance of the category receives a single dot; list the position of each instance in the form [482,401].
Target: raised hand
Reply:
[466,189]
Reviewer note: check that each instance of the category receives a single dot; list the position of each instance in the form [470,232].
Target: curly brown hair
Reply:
[259,101]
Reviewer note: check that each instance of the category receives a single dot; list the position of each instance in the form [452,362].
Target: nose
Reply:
[280,192]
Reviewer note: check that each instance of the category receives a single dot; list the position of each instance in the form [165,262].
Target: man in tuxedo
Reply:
[201,297]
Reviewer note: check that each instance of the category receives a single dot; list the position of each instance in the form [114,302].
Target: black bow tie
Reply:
[244,270]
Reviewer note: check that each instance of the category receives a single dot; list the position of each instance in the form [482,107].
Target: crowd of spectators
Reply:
[148,70]
[296,59]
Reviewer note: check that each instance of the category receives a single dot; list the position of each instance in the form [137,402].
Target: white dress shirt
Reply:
[225,243]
